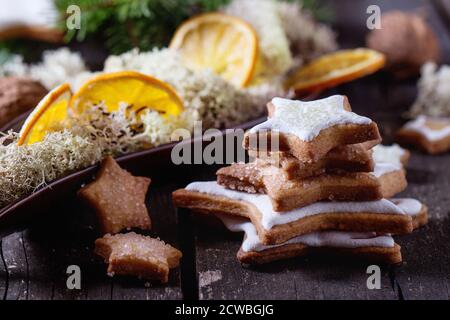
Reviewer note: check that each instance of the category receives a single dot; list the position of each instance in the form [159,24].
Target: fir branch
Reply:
[125,24]
[11,47]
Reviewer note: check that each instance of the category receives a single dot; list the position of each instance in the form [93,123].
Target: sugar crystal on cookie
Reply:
[138,255]
[307,119]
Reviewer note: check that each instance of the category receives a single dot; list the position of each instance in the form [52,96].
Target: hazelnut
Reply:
[406,40]
[17,95]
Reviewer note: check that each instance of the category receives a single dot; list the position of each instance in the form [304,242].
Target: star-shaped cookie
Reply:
[309,130]
[137,255]
[118,198]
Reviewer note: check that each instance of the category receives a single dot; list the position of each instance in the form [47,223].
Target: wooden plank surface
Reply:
[4,277]
[16,266]
[426,271]
[221,276]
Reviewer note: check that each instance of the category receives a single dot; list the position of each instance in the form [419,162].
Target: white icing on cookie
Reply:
[387,159]
[419,125]
[382,168]
[271,218]
[306,119]
[334,239]
[391,154]
[411,207]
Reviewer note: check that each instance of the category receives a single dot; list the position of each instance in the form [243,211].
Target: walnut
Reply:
[17,95]
[406,40]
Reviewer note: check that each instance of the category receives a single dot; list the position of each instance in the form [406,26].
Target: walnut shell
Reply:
[17,95]
[406,40]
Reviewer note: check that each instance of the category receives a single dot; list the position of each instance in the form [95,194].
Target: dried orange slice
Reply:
[335,68]
[47,116]
[227,45]
[137,90]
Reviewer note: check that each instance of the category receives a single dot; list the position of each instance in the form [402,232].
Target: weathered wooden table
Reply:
[34,262]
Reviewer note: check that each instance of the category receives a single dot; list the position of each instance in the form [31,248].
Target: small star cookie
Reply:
[137,255]
[118,198]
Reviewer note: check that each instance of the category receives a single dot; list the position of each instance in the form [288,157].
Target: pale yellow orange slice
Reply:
[224,44]
[137,90]
[48,116]
[335,68]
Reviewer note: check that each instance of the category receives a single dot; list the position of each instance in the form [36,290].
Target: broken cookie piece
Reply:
[350,158]
[118,198]
[137,255]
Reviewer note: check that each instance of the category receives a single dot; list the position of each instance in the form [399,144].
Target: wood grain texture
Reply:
[16,267]
[39,252]
[221,276]
[3,274]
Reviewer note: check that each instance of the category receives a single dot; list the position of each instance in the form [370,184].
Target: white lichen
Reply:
[308,39]
[433,97]
[205,95]
[57,66]
[24,169]
[263,16]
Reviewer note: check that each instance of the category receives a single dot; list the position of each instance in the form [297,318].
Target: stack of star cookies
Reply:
[317,184]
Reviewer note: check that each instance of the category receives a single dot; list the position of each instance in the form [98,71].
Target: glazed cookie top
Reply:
[307,119]
[391,154]
[382,168]
[334,239]
[270,218]
[432,128]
